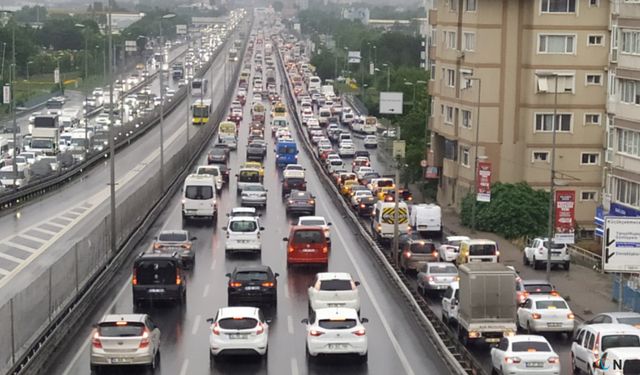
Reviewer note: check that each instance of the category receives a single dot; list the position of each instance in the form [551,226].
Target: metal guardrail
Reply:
[456,356]
[356,104]
[585,258]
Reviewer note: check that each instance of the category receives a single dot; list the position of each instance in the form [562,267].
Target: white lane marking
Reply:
[31,238]
[41,229]
[11,258]
[290,324]
[3,272]
[294,366]
[76,357]
[213,265]
[205,292]
[196,324]
[21,247]
[286,291]
[374,301]
[185,367]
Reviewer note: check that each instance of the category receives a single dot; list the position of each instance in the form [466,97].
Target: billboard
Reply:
[483,182]
[130,46]
[565,206]
[391,103]
[353,57]
[6,94]
[56,75]
[621,245]
[181,29]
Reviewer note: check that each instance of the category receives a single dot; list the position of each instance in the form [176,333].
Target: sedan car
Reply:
[257,284]
[230,141]
[541,313]
[436,276]
[254,195]
[177,241]
[370,141]
[301,202]
[450,248]
[334,331]
[125,340]
[238,330]
[359,194]
[217,155]
[617,317]
[333,289]
[524,354]
[346,150]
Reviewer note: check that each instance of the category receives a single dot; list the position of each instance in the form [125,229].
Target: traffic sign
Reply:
[621,244]
[398,149]
[423,163]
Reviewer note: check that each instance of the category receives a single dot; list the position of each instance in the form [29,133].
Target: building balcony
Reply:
[433,17]
[450,168]
[432,87]
[432,52]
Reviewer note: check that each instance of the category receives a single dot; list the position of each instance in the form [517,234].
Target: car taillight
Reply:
[571,316]
[215,329]
[553,360]
[315,333]
[95,341]
[268,284]
[512,360]
[291,249]
[157,246]
[325,249]
[178,279]
[430,279]
[536,316]
[260,329]
[186,246]
[362,205]
[360,332]
[554,293]
[235,284]
[407,254]
[434,254]
[145,339]
[311,201]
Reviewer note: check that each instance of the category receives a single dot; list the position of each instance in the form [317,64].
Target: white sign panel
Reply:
[6,94]
[181,29]
[354,57]
[130,46]
[371,69]
[621,244]
[56,75]
[296,27]
[391,103]
[399,148]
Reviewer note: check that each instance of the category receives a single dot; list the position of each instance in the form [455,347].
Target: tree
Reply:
[36,13]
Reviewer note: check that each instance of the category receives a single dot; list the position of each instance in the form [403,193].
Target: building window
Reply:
[453,4]
[540,156]
[465,156]
[448,116]
[629,91]
[631,41]
[590,158]
[466,119]
[594,3]
[565,83]
[589,195]
[469,40]
[628,142]
[434,37]
[432,69]
[593,79]
[451,40]
[592,119]
[626,191]
[544,122]
[470,5]
[595,40]
[451,78]
[558,6]
[560,44]
[450,150]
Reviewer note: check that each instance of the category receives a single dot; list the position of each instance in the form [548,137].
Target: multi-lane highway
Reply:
[397,344]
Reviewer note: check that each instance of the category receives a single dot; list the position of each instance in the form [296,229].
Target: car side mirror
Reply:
[224,228]
[210,320]
[304,321]
[193,238]
[364,320]
[276,274]
[576,340]
[454,302]
[261,228]
[357,283]
[236,175]
[285,239]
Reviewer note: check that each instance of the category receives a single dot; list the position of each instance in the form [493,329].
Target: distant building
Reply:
[356,14]
[120,21]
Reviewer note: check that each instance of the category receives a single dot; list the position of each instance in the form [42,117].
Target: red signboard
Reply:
[483,184]
[431,172]
[565,206]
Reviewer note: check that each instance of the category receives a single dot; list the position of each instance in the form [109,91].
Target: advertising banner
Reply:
[565,206]
[483,186]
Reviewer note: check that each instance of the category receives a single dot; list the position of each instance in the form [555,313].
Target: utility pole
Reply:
[477,159]
[396,225]
[161,75]
[13,105]
[552,177]
[112,144]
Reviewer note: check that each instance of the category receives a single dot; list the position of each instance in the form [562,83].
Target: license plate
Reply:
[237,336]
[534,364]
[120,360]
[492,340]
[251,288]
[555,253]
[337,346]
[191,211]
[335,304]
[243,241]
[308,251]
[554,324]
[156,290]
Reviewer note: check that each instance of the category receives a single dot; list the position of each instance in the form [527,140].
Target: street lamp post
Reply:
[86,75]
[112,143]
[476,158]
[28,83]
[388,66]
[166,16]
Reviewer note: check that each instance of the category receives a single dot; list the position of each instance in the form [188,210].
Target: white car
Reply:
[545,313]
[30,156]
[370,141]
[214,171]
[450,248]
[243,234]
[359,194]
[536,254]
[336,331]
[524,354]
[237,330]
[333,289]
[318,221]
[346,149]
[336,166]
[362,171]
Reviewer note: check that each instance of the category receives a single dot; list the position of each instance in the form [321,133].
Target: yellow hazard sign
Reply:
[388,213]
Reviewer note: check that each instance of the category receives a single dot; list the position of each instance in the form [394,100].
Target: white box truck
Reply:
[426,219]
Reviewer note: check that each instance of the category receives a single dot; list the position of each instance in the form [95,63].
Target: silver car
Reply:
[254,195]
[125,340]
[436,276]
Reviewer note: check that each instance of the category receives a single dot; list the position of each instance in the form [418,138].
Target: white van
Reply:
[214,171]
[323,116]
[592,340]
[243,234]
[619,361]
[315,83]
[382,224]
[426,218]
[199,197]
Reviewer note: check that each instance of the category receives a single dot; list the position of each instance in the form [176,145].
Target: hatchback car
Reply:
[307,245]
[217,155]
[158,277]
[333,289]
[415,252]
[336,331]
[177,241]
[254,195]
[248,284]
[238,331]
[617,317]
[436,276]
[125,340]
[524,354]
[243,235]
[301,202]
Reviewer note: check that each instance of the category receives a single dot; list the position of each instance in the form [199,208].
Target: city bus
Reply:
[199,87]
[201,110]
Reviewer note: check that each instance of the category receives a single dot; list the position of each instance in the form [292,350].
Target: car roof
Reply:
[477,241]
[536,282]
[243,218]
[333,276]
[252,268]
[440,264]
[340,312]
[299,194]
[523,338]
[311,218]
[613,328]
[625,352]
[622,314]
[173,231]
[457,238]
[238,311]
[243,210]
[112,318]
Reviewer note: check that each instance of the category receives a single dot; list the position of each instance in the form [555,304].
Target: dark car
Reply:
[225,172]
[158,277]
[366,206]
[170,241]
[293,183]
[362,153]
[368,177]
[415,252]
[255,152]
[217,155]
[252,284]
[301,202]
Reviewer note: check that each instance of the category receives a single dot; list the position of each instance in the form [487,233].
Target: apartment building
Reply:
[498,68]
[622,173]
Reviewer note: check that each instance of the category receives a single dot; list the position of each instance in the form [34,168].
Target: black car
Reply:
[366,206]
[170,241]
[158,277]
[293,183]
[362,153]
[217,155]
[255,152]
[252,284]
[225,173]
[301,202]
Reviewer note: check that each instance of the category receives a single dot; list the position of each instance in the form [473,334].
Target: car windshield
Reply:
[422,247]
[454,243]
[160,272]
[251,276]
[243,226]
[172,237]
[530,346]
[237,323]
[199,192]
[308,236]
[249,176]
[123,329]
[337,324]
[332,285]
[209,171]
[443,269]
[620,341]
[551,305]
[633,321]
[253,188]
[538,288]
[554,245]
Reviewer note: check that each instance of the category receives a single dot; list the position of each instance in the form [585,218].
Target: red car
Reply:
[307,245]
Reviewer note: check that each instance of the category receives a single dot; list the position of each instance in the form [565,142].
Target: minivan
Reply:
[158,277]
[592,340]
[307,245]
[478,251]
[199,197]
[615,360]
